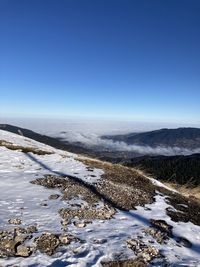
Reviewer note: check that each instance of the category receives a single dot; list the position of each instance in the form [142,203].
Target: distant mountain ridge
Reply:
[54,142]
[181,137]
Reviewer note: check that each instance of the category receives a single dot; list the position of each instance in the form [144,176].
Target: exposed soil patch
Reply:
[88,213]
[162,226]
[12,243]
[159,230]
[20,242]
[69,188]
[184,209]
[122,188]
[117,173]
[24,149]
[47,243]
[159,236]
[143,251]
[139,190]
[116,193]
[123,196]
[125,187]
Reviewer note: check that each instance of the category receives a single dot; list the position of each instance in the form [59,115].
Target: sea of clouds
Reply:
[95,141]
[88,133]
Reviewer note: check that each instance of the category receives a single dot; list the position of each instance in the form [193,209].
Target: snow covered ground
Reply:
[104,239]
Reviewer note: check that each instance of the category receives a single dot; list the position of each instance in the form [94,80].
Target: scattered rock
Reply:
[76,205]
[23,251]
[20,238]
[159,236]
[47,243]
[162,226]
[50,181]
[16,221]
[80,224]
[43,204]
[149,253]
[12,243]
[31,229]
[146,208]
[88,213]
[65,222]
[136,245]
[100,241]
[68,187]
[54,196]
[19,231]
[8,247]
[144,252]
[124,187]
[64,239]
[184,209]
[89,169]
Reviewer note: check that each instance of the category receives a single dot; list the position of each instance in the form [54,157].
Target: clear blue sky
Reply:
[124,59]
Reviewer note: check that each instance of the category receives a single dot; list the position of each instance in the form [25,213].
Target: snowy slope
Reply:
[103,239]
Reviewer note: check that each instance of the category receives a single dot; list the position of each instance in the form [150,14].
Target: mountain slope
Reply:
[181,137]
[51,141]
[60,209]
[178,169]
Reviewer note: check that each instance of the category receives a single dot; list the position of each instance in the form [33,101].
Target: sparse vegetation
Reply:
[125,187]
[24,149]
[187,190]
[132,177]
[181,170]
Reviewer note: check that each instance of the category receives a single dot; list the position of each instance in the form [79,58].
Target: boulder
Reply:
[47,243]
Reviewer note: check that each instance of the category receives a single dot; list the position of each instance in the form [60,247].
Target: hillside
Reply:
[180,137]
[61,209]
[176,169]
[51,141]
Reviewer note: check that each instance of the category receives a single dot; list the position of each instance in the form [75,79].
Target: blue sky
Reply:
[127,59]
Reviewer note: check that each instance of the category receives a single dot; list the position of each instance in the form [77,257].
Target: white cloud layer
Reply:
[93,140]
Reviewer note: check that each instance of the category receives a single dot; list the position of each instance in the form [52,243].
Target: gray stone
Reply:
[23,251]
[16,221]
[53,197]
[47,243]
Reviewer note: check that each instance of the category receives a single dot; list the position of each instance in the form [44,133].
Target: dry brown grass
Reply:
[186,190]
[125,187]
[23,149]
[114,172]
[129,187]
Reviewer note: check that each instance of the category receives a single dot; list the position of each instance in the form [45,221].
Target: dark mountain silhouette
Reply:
[180,137]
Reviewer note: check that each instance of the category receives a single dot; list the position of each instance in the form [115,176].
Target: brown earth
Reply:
[24,149]
[186,208]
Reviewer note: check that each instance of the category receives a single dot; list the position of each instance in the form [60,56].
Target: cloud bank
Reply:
[96,142]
